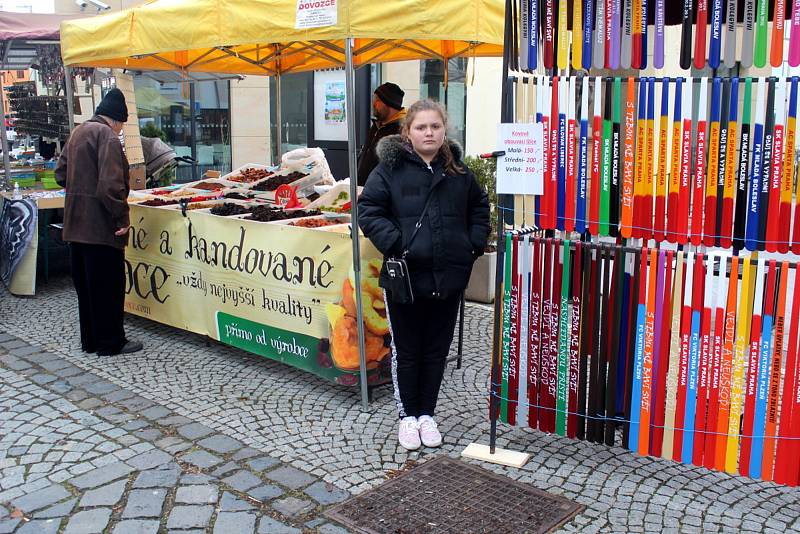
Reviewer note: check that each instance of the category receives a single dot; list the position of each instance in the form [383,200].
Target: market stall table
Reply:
[217,257]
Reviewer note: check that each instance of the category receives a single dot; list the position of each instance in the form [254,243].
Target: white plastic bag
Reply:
[303,159]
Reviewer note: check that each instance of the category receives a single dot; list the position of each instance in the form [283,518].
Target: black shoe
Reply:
[127,348]
[131,346]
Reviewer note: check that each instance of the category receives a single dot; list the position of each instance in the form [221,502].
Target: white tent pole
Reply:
[350,77]
[278,118]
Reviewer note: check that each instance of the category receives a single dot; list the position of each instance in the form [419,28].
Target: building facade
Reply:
[10,77]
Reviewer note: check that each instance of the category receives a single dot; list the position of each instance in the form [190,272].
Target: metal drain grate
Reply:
[447,496]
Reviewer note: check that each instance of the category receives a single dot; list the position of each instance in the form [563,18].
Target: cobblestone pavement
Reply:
[193,436]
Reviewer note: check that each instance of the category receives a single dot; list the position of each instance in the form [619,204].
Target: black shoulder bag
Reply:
[397,268]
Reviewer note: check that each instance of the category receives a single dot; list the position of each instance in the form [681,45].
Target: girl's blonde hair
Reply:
[450,164]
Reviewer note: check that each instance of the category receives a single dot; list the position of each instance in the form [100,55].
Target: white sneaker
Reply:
[428,432]
[408,435]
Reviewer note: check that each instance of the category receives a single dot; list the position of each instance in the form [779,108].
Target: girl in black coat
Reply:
[453,232]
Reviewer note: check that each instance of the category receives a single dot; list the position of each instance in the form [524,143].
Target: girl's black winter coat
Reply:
[455,228]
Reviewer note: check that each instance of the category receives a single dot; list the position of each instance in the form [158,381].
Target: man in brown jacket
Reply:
[94,171]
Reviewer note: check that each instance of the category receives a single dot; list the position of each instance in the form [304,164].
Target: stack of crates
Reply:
[26,178]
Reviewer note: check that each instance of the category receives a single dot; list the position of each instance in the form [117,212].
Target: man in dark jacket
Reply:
[387,107]
[94,171]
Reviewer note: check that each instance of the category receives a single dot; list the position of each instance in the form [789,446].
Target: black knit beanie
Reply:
[391,95]
[113,106]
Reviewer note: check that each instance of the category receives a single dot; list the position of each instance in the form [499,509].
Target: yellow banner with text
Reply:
[280,291]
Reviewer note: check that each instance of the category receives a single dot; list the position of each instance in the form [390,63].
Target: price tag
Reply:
[521,170]
[286,197]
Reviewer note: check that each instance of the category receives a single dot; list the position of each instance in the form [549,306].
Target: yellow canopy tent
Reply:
[262,37]
[259,36]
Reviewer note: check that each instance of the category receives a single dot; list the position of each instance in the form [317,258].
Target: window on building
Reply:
[212,104]
[165,111]
[454,96]
[294,111]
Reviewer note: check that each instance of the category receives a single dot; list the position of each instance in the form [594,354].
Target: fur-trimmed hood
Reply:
[392,149]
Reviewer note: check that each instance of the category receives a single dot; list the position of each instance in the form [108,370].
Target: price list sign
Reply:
[520,171]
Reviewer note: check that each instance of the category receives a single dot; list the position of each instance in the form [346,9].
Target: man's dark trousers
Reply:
[98,272]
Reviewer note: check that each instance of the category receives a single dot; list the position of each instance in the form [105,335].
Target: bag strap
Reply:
[419,222]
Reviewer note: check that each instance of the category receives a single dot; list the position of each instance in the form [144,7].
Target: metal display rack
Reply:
[45,116]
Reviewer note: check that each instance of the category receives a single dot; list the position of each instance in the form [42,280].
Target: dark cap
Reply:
[391,95]
[113,105]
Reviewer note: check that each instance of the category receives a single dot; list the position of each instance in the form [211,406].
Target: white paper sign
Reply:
[315,14]
[330,113]
[520,171]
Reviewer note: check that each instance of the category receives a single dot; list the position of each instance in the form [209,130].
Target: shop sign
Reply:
[315,14]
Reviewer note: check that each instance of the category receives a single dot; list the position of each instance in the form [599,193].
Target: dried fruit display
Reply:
[228,209]
[198,198]
[199,205]
[236,196]
[250,175]
[209,186]
[334,209]
[172,193]
[317,223]
[267,214]
[271,184]
[158,202]
[341,204]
